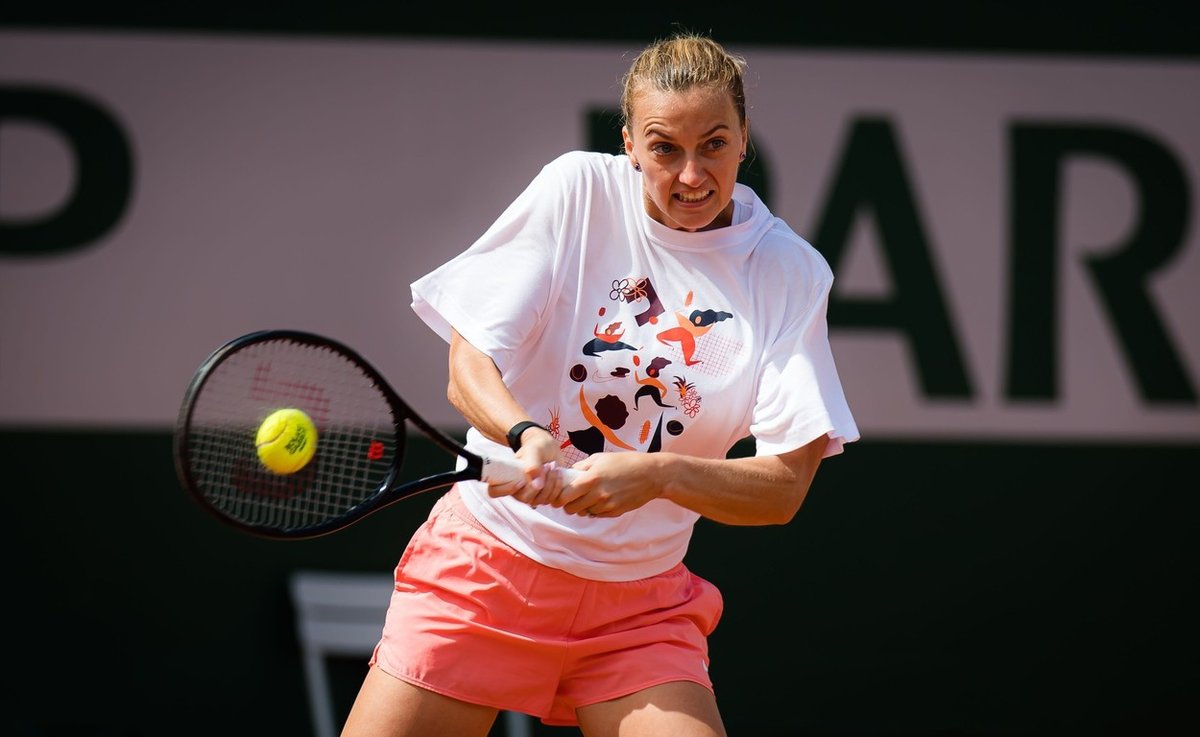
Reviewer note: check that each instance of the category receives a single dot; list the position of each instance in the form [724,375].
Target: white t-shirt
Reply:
[622,334]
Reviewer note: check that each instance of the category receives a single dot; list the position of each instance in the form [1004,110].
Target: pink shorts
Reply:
[475,620]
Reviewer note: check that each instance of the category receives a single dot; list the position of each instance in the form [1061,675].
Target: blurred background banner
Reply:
[1010,208]
[1014,239]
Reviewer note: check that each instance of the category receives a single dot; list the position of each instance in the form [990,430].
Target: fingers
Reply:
[525,487]
[584,506]
[534,467]
[543,485]
[513,489]
[580,497]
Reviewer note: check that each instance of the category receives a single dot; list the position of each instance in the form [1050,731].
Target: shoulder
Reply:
[581,183]
[565,178]
[782,256]
[800,257]
[582,165]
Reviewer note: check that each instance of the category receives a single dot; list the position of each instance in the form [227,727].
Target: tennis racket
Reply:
[361,430]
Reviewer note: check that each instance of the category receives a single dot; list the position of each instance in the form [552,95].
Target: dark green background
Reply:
[1010,26]
[924,588]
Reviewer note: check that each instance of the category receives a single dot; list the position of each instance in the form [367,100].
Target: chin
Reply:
[693,222]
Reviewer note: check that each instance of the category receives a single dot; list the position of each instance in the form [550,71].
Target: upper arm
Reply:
[467,362]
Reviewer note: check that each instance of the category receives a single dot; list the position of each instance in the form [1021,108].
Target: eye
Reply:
[717,144]
[662,149]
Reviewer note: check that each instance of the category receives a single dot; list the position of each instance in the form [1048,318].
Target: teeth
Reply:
[696,197]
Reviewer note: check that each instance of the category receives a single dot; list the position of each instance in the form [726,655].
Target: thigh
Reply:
[679,708]
[389,707]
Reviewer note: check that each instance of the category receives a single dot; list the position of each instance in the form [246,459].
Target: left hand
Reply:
[612,484]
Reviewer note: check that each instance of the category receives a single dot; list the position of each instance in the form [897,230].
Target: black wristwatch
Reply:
[514,435]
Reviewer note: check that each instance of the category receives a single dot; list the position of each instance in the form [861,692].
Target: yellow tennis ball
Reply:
[286,441]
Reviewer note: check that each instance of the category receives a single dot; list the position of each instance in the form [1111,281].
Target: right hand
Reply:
[539,454]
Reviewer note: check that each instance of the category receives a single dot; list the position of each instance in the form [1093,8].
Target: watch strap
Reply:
[514,434]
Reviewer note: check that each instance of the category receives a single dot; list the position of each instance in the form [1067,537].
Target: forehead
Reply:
[698,108]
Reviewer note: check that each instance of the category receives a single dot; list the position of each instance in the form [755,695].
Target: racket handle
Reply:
[505,470]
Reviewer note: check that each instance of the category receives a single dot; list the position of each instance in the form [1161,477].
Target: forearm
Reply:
[477,390]
[762,490]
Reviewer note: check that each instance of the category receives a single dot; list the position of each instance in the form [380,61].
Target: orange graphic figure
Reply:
[609,340]
[651,382]
[612,333]
[690,328]
[651,386]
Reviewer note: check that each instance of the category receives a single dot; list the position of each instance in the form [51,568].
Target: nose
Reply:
[693,173]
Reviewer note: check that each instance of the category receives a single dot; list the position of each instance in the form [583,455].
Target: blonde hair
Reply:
[679,63]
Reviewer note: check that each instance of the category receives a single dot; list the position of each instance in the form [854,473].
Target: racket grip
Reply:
[506,470]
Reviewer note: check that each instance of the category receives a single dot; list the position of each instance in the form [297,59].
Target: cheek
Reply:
[660,188]
[726,180]
[729,171]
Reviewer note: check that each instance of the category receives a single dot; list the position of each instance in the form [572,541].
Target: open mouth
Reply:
[693,198]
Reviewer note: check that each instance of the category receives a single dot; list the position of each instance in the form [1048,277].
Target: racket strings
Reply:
[359,439]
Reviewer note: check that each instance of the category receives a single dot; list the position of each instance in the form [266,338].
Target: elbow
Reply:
[794,490]
[787,508]
[783,515]
[454,394]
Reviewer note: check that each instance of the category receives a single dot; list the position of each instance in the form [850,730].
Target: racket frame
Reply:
[390,489]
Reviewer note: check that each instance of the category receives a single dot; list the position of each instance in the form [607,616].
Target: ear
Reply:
[628,139]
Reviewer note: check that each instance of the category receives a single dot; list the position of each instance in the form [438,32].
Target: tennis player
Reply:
[632,315]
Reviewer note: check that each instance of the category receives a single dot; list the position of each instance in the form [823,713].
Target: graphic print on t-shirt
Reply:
[641,371]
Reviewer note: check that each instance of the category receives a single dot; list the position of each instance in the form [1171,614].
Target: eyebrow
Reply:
[652,128]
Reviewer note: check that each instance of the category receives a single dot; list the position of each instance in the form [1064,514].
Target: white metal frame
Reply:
[341,614]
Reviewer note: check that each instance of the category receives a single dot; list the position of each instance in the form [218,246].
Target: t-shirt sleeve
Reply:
[496,292]
[800,395]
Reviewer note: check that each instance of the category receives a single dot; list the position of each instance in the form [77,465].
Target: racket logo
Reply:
[375,450]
